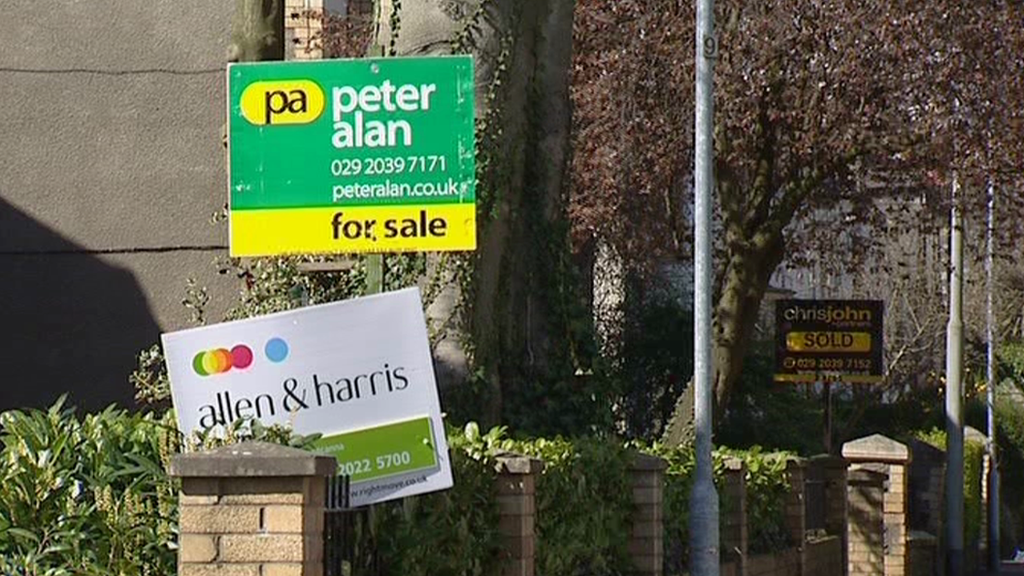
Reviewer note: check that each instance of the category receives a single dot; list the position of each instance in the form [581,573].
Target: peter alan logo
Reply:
[221,360]
[278,102]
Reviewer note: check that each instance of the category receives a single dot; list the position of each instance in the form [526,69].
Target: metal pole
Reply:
[827,393]
[703,497]
[990,385]
[954,396]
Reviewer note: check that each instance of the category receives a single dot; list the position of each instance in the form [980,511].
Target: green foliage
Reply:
[767,485]
[655,362]
[583,507]
[676,504]
[275,284]
[777,417]
[453,532]
[86,496]
[91,496]
[973,454]
[584,501]
[152,386]
[1009,412]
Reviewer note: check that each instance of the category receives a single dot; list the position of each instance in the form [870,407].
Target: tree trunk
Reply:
[523,55]
[743,283]
[257,31]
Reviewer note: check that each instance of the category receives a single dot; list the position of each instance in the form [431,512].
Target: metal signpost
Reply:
[704,510]
[351,156]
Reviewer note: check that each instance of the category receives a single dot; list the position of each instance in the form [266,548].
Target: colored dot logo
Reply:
[221,360]
[277,350]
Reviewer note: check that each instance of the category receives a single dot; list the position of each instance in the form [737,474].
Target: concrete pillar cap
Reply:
[251,459]
[646,462]
[513,463]
[876,448]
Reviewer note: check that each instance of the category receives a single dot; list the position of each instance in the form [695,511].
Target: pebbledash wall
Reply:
[111,166]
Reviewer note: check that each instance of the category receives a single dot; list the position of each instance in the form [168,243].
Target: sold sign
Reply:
[827,340]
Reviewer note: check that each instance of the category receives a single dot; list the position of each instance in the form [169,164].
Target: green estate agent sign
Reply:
[369,155]
[383,451]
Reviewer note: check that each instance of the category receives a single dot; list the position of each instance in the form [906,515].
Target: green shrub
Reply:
[767,486]
[973,455]
[676,503]
[453,532]
[86,496]
[584,502]
[1009,411]
[91,496]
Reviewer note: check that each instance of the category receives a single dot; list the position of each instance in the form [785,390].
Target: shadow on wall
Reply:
[70,322]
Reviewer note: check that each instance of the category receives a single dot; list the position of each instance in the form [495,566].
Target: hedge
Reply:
[90,496]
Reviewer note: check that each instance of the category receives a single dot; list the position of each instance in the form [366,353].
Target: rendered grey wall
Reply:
[111,164]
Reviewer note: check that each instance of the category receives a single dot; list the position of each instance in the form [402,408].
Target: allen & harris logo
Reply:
[279,102]
[221,360]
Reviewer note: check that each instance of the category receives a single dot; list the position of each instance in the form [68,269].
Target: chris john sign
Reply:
[359,372]
[828,340]
[368,155]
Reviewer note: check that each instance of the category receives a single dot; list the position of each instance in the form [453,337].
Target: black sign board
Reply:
[828,341]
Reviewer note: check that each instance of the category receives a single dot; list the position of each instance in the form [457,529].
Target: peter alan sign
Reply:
[359,372]
[344,156]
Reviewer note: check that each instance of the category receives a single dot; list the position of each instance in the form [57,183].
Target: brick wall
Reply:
[785,563]
[824,557]
[646,538]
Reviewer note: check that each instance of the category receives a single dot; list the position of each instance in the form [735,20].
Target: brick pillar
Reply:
[735,539]
[834,471]
[303,29]
[516,487]
[796,509]
[251,509]
[891,458]
[866,523]
[646,537]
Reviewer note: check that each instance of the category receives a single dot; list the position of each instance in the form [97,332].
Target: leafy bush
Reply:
[973,454]
[1009,411]
[767,486]
[453,532]
[91,496]
[584,502]
[86,496]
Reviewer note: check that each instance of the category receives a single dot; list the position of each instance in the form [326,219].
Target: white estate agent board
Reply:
[358,371]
